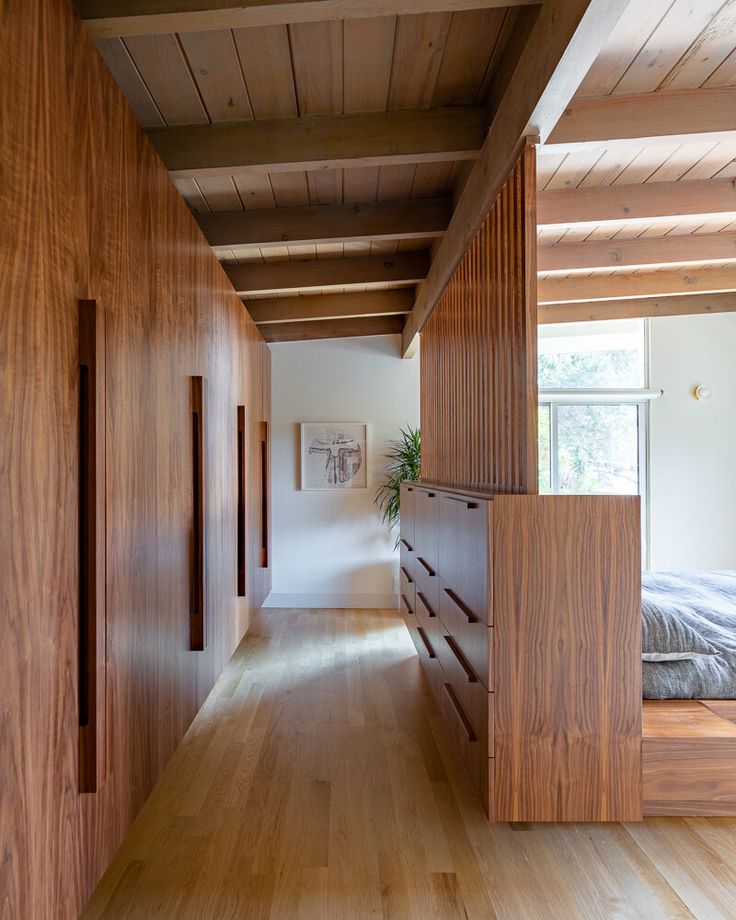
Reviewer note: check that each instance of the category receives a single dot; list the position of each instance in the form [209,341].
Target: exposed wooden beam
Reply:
[587,310]
[623,285]
[316,274]
[322,141]
[332,328]
[646,118]
[330,306]
[639,253]
[108,18]
[379,220]
[646,202]
[563,43]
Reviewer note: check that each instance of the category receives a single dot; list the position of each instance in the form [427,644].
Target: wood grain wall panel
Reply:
[567,638]
[95,216]
[479,374]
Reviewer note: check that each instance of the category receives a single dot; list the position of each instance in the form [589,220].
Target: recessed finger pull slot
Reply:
[462,661]
[463,608]
[426,566]
[407,575]
[91,672]
[198,593]
[425,641]
[462,718]
[425,604]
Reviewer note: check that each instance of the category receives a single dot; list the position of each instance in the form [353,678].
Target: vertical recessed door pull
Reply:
[241,558]
[264,561]
[198,591]
[91,672]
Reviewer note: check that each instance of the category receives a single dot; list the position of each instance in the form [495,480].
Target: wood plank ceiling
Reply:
[323,157]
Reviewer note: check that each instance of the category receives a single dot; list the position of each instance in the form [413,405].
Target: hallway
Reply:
[317,783]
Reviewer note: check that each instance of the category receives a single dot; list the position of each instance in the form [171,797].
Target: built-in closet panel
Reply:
[93,215]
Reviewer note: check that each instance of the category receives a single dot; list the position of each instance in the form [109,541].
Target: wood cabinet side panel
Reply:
[568,658]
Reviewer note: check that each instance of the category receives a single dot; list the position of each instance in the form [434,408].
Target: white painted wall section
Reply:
[330,548]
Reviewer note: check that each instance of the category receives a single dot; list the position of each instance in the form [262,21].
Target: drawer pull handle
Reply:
[470,616]
[462,501]
[425,565]
[462,718]
[425,604]
[425,640]
[406,544]
[409,489]
[472,679]
[407,575]
[430,494]
[405,602]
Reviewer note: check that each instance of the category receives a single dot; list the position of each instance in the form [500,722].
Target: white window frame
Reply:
[642,398]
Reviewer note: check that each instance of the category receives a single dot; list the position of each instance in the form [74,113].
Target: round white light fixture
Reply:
[701,391]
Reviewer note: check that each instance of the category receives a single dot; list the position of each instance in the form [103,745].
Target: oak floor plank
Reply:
[317,782]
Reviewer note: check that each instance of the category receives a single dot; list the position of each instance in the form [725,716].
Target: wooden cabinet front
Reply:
[464,551]
[526,616]
[426,528]
[471,635]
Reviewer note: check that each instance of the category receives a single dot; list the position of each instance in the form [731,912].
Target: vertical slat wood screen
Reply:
[479,353]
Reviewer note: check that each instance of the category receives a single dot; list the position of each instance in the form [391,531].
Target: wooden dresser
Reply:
[525,611]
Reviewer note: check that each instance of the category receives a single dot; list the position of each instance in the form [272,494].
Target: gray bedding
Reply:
[693,614]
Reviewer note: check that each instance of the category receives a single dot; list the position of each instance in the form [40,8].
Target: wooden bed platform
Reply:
[689,757]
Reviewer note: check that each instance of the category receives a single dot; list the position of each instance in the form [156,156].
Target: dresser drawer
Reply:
[407,588]
[406,516]
[427,581]
[464,552]
[426,526]
[469,744]
[472,637]
[476,701]
[428,618]
[406,607]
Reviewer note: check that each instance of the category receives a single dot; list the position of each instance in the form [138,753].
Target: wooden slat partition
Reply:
[479,353]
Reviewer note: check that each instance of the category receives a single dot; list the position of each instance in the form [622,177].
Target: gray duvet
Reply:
[693,611]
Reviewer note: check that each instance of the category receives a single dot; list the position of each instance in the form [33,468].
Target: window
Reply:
[593,409]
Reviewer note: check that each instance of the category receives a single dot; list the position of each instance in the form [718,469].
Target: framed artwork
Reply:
[334,456]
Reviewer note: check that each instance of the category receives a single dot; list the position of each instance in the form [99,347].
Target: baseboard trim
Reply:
[338,601]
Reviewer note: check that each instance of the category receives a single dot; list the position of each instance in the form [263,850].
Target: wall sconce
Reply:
[701,391]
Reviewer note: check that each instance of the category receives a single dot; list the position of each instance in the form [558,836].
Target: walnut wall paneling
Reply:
[92,649]
[95,216]
[478,353]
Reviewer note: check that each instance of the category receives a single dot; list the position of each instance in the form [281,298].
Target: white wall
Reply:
[693,444]
[329,548]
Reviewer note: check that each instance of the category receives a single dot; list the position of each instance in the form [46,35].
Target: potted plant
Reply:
[403,466]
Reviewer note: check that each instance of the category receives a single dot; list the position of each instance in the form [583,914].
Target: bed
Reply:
[689,635]
[689,683]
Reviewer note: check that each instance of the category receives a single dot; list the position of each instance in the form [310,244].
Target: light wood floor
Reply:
[317,783]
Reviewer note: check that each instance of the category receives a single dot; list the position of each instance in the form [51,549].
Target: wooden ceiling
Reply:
[335,161]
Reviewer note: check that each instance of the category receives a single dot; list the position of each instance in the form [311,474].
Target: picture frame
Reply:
[334,456]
